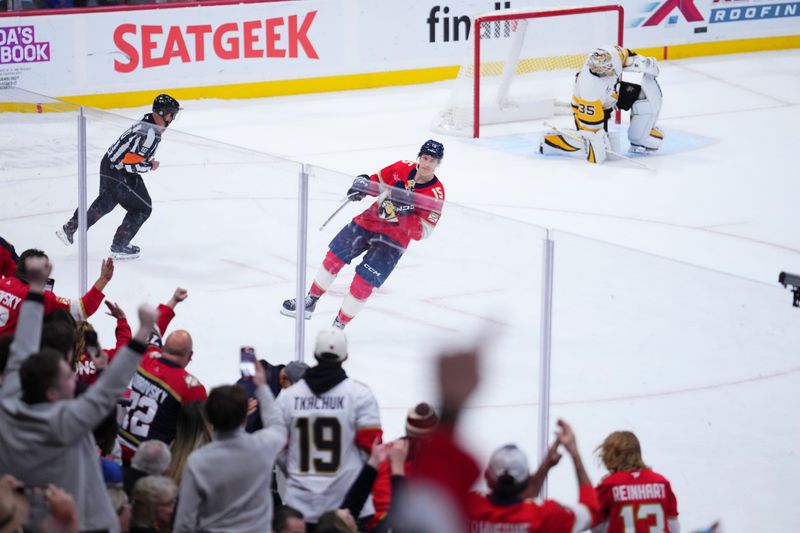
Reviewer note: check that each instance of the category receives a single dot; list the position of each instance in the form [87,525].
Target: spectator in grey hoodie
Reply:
[236,497]
[47,433]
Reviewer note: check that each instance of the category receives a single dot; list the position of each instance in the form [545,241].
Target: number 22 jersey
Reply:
[159,390]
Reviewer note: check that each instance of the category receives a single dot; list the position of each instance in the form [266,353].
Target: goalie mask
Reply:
[600,63]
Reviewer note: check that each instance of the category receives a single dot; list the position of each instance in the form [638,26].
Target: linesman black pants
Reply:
[125,189]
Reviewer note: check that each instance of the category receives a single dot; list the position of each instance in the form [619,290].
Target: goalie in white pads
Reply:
[597,93]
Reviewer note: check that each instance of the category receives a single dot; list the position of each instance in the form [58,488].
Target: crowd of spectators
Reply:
[127,439]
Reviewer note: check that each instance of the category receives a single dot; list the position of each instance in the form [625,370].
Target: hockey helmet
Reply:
[600,63]
[164,104]
[432,148]
[331,346]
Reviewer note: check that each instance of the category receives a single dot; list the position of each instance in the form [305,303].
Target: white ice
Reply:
[668,319]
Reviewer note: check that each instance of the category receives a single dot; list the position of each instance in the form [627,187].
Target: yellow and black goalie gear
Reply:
[557,140]
[589,115]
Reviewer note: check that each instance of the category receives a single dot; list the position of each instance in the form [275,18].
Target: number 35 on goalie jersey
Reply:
[589,114]
[325,434]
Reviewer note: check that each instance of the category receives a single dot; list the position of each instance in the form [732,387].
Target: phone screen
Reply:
[49,284]
[247,362]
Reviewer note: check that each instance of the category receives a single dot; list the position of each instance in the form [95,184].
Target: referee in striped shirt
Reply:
[121,181]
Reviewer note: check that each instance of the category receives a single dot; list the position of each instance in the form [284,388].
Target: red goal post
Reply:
[540,45]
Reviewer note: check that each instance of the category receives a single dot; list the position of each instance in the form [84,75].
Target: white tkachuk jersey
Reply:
[323,457]
[592,94]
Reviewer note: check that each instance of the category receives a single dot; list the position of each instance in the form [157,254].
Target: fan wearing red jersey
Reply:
[14,289]
[505,507]
[633,498]
[8,259]
[408,207]
[159,390]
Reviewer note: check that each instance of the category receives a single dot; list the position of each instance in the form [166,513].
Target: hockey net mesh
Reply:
[527,64]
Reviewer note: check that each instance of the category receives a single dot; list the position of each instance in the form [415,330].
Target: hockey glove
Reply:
[645,65]
[403,200]
[359,189]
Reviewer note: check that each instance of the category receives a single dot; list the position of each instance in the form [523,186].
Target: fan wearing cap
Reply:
[333,422]
[121,182]
[421,422]
[408,206]
[505,508]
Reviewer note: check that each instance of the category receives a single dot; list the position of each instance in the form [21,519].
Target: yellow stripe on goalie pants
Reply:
[557,141]
[589,112]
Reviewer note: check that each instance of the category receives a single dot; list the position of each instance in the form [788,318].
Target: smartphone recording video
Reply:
[247,361]
[49,284]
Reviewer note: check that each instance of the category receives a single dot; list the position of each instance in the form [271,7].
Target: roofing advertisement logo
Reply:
[673,12]
[655,13]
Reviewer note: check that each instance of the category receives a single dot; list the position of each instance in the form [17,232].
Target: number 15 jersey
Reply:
[325,434]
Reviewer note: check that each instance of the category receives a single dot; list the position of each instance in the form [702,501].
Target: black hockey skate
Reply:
[123,252]
[65,235]
[289,307]
[338,324]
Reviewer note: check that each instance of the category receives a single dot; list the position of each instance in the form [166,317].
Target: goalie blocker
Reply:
[597,92]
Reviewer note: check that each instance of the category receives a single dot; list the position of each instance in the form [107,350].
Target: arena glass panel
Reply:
[701,365]
[477,274]
[223,225]
[38,174]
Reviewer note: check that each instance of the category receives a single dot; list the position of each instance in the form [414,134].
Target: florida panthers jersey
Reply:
[382,218]
[639,501]
[531,515]
[159,390]
[13,291]
[324,458]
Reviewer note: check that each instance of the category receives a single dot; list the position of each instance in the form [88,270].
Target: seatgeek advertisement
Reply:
[121,51]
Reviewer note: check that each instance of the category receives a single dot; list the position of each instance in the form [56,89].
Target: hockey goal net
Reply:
[522,64]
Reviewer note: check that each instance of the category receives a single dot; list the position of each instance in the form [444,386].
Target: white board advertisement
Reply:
[115,51]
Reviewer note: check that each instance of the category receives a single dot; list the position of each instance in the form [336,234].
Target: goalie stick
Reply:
[616,154]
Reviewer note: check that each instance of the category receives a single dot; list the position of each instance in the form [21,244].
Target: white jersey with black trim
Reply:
[592,94]
[323,459]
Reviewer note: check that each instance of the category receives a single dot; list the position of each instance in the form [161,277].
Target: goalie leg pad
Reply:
[555,143]
[642,132]
[596,145]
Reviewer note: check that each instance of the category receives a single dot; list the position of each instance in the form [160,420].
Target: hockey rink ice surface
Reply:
[668,319]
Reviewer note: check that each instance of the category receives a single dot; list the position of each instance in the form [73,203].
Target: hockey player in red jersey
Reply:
[633,498]
[14,289]
[505,507]
[409,205]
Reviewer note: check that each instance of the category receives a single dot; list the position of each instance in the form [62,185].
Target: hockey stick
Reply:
[615,154]
[346,201]
[344,204]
